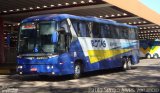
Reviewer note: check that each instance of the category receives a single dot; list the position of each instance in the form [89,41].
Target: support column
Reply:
[2,58]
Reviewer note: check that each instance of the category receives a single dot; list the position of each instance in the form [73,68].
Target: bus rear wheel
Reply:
[156,56]
[127,63]
[77,70]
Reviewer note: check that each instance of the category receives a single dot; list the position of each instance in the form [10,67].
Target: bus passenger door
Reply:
[64,40]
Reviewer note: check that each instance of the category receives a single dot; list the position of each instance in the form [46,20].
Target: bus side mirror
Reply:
[54,37]
[61,30]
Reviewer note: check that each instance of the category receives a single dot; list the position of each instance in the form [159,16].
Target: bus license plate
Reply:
[33,69]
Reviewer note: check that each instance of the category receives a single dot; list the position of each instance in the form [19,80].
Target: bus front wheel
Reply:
[77,70]
[148,56]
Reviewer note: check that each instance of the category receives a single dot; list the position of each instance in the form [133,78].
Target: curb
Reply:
[7,71]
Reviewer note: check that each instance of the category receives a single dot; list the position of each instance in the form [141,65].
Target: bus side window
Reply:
[132,33]
[114,33]
[89,28]
[136,33]
[62,42]
[124,32]
[75,24]
[83,29]
[96,30]
[80,28]
[118,32]
[105,31]
[66,26]
[121,32]
[68,38]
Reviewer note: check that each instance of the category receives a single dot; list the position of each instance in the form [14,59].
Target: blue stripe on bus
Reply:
[60,17]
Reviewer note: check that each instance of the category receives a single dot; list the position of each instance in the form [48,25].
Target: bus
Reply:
[150,48]
[63,44]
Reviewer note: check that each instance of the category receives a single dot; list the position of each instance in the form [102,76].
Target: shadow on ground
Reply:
[139,76]
[65,77]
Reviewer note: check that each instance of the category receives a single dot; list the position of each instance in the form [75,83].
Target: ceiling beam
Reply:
[51,10]
[137,8]
[147,25]
[125,18]
[22,15]
[9,22]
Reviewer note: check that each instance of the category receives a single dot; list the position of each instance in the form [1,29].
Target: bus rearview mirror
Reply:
[54,37]
[61,30]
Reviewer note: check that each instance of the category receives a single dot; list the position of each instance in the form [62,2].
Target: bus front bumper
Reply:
[44,69]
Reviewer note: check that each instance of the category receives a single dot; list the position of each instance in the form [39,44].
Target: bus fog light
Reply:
[20,67]
[53,73]
[52,67]
[20,73]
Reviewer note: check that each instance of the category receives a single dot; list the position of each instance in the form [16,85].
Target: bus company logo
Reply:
[98,43]
[113,44]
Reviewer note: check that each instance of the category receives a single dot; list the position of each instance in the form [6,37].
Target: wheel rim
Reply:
[77,69]
[155,56]
[148,56]
[125,65]
[129,64]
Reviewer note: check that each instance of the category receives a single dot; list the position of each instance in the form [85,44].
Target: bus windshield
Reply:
[37,37]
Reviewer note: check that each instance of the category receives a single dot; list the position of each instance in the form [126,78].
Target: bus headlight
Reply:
[20,73]
[20,67]
[48,67]
[19,56]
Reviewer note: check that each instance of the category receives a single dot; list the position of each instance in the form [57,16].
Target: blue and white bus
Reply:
[61,44]
[150,48]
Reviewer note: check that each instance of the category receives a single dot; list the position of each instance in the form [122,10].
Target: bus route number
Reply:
[98,43]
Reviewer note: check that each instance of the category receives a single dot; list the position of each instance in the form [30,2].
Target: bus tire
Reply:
[124,60]
[156,56]
[148,56]
[129,63]
[126,63]
[77,70]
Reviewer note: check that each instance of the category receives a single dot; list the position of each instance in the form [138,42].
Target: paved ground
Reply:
[144,74]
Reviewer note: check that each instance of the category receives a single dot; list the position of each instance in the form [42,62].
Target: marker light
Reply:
[20,67]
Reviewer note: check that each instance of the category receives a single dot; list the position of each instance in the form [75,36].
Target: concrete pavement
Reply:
[144,74]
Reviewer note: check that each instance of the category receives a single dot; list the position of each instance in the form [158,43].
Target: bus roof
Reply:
[59,17]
